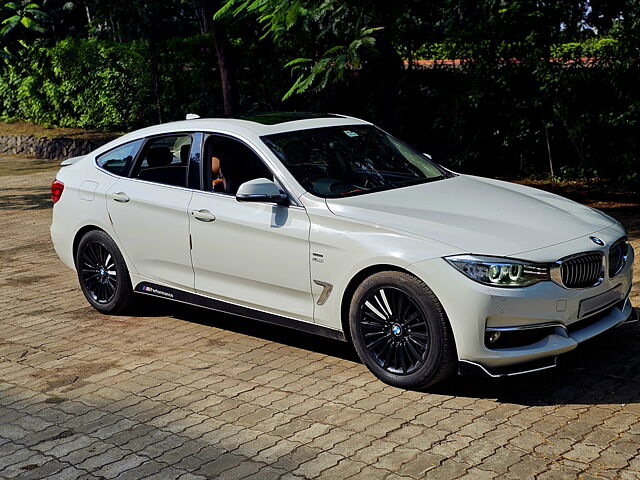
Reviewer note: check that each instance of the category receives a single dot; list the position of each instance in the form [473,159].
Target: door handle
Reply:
[203,215]
[120,197]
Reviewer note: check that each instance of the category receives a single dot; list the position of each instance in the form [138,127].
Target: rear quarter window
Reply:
[119,160]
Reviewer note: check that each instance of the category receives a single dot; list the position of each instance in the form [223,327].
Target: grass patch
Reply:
[26,128]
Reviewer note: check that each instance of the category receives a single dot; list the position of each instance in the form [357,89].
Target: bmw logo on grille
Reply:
[597,241]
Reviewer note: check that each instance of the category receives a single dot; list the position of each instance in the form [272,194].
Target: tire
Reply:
[103,274]
[401,332]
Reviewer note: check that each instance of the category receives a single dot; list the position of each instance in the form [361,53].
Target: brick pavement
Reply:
[187,393]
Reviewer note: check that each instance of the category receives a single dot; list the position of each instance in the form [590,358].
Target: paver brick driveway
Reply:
[187,393]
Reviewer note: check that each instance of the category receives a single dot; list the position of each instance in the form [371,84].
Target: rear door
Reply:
[149,211]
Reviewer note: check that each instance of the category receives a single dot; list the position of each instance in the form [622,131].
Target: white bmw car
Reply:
[327,224]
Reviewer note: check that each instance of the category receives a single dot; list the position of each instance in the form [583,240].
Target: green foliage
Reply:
[332,65]
[188,78]
[342,31]
[20,21]
[536,79]
[496,120]
[25,14]
[77,83]
[277,17]
[101,84]
[593,48]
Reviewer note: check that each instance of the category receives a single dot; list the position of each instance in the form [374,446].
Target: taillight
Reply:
[57,188]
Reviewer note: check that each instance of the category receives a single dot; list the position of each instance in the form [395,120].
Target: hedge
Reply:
[502,118]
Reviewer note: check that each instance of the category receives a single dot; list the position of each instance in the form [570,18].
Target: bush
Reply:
[105,85]
[79,83]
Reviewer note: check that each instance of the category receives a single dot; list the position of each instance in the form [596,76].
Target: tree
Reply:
[335,37]
[224,52]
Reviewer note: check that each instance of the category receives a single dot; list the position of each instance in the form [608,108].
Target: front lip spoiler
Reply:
[467,367]
[632,318]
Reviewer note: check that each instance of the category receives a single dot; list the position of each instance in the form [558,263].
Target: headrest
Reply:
[159,157]
[231,157]
[184,153]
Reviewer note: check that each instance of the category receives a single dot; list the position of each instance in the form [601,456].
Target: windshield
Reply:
[350,160]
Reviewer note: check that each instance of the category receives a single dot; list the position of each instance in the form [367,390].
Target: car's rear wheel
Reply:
[103,274]
[401,331]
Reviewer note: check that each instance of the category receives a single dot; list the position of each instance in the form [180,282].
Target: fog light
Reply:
[493,337]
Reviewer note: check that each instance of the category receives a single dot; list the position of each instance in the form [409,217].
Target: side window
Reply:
[118,161]
[165,160]
[229,163]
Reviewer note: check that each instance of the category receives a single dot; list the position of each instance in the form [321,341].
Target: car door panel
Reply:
[252,254]
[152,224]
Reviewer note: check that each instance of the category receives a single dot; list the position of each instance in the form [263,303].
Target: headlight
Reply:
[500,272]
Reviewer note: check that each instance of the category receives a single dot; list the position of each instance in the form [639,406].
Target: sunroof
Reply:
[281,117]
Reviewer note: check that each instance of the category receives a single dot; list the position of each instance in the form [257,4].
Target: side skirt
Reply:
[174,294]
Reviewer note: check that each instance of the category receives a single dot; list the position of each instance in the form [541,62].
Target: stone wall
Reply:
[53,148]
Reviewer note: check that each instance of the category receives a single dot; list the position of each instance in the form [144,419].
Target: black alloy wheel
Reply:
[395,330]
[98,270]
[103,274]
[401,331]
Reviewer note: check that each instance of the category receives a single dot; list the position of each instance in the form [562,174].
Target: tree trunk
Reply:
[154,59]
[226,65]
[546,134]
[88,19]
[227,70]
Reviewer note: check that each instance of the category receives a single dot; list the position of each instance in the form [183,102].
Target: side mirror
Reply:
[260,190]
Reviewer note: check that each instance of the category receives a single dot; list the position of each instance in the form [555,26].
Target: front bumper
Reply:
[610,318]
[474,310]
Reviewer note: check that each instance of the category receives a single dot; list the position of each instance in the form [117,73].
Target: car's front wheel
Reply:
[401,331]
[103,274]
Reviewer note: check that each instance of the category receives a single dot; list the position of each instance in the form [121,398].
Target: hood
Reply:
[476,215]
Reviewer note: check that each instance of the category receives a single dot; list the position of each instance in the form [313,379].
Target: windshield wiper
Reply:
[424,180]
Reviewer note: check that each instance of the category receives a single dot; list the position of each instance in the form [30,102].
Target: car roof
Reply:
[275,118]
[261,124]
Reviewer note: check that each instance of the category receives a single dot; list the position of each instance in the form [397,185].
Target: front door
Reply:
[250,254]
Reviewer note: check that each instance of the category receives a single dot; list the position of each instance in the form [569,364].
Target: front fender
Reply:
[342,248]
